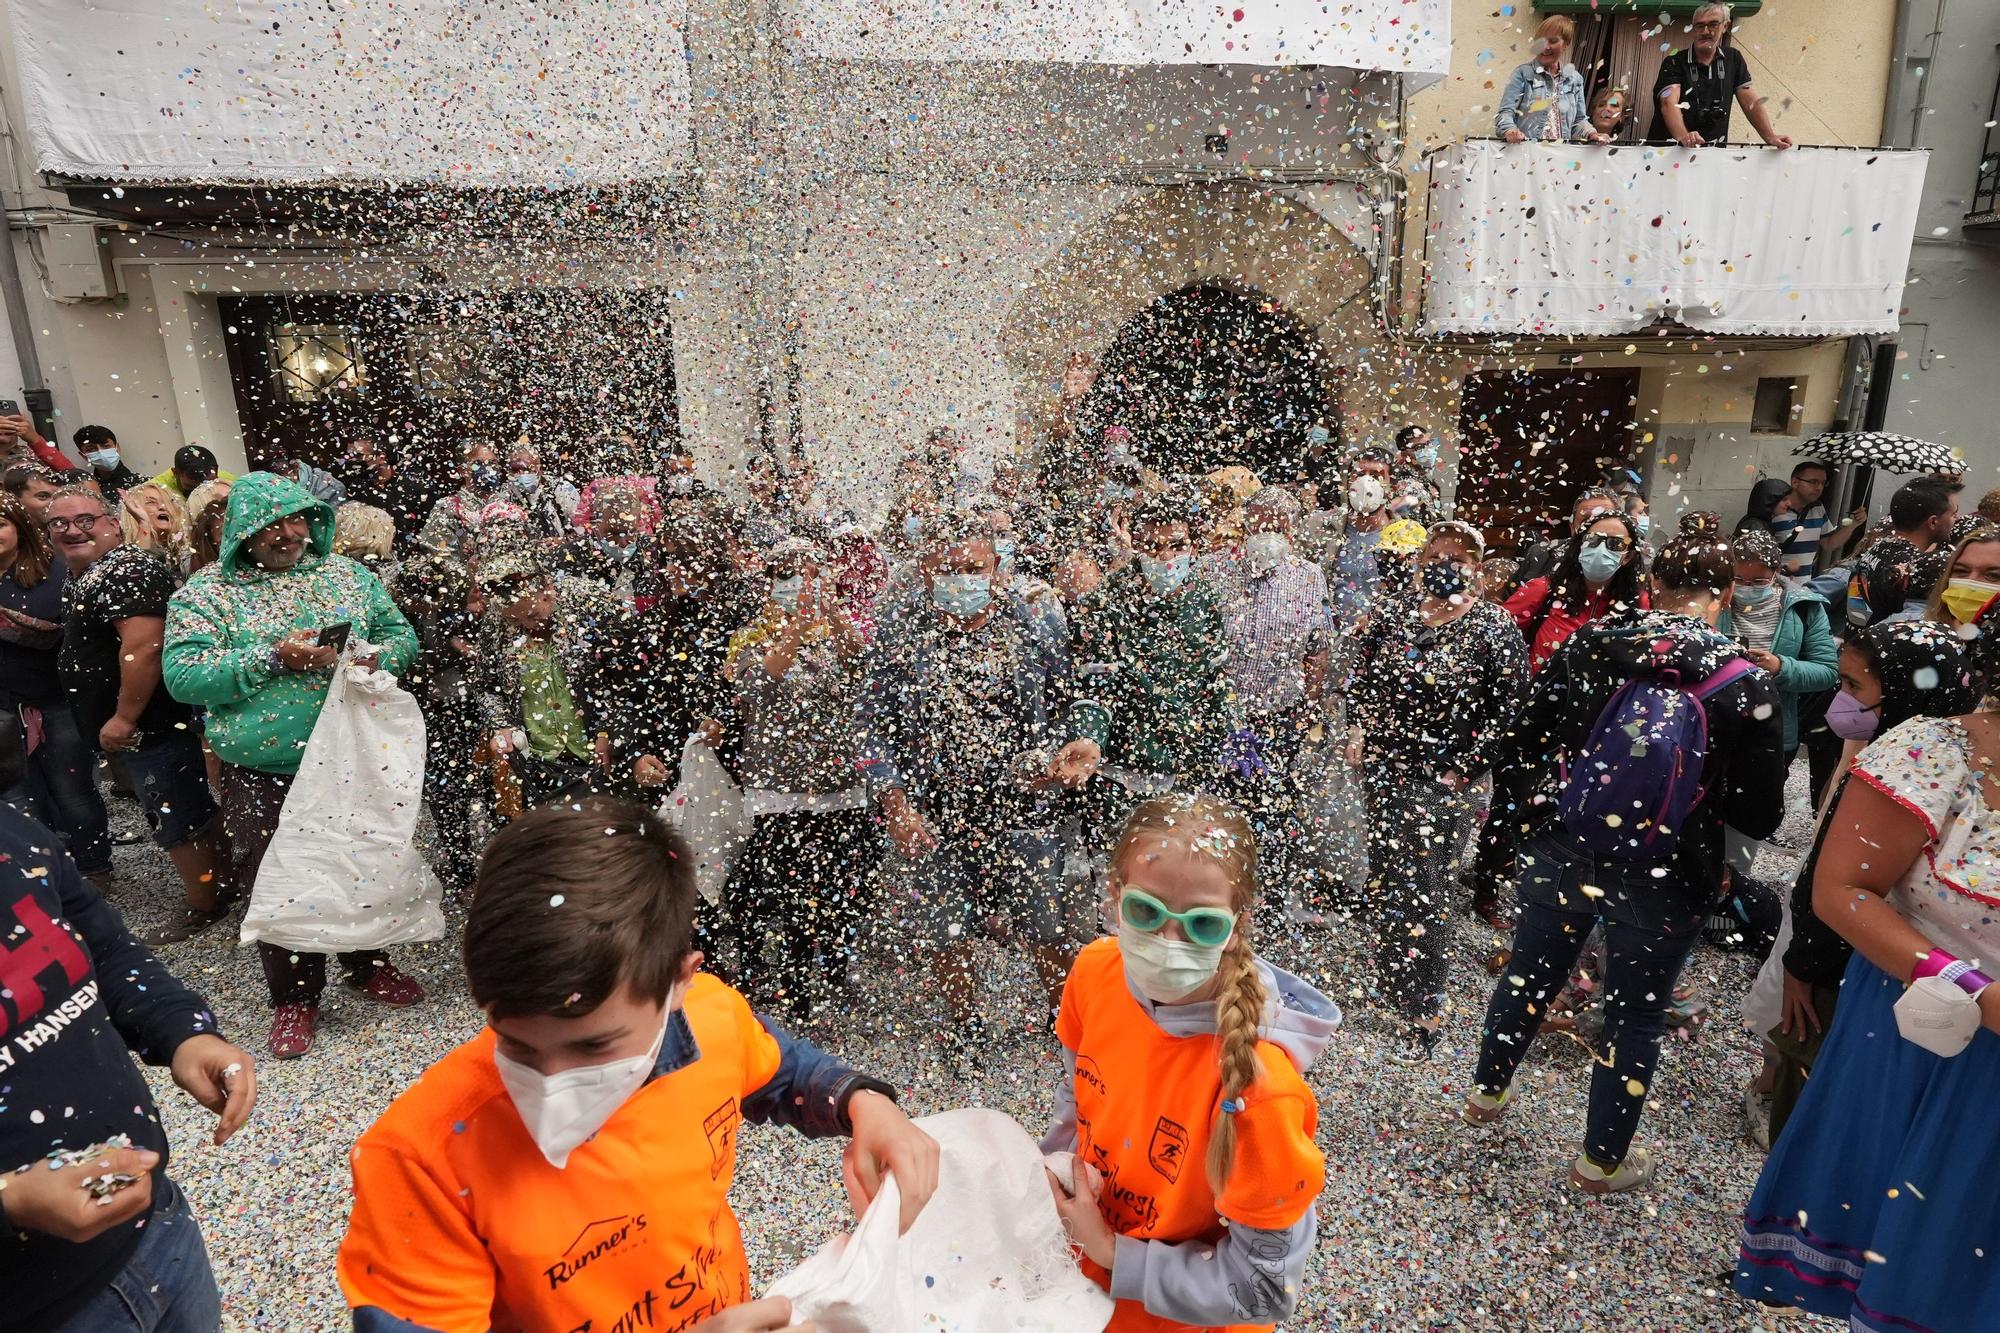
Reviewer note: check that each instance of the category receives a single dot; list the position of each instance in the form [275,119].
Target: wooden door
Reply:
[1533,439]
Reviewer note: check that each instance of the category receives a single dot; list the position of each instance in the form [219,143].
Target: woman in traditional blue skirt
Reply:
[1880,1203]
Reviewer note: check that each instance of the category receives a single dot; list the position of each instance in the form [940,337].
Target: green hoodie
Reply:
[223,626]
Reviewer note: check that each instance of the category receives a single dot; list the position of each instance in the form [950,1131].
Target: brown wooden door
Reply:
[1532,440]
[313,370]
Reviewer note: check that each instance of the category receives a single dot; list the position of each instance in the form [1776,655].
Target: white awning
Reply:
[1552,239]
[543,93]
[1401,36]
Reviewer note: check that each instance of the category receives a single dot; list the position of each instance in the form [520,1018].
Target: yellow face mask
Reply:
[1964,598]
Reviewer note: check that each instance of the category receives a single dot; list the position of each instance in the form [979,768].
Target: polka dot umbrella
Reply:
[1891,453]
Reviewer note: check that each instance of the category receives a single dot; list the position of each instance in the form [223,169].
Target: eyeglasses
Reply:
[1610,541]
[85,523]
[1206,926]
[1711,25]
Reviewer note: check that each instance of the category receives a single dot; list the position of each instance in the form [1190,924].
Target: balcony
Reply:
[1546,240]
[1982,210]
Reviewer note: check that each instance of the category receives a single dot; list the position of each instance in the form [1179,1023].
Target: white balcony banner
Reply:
[1552,239]
[533,93]
[1403,36]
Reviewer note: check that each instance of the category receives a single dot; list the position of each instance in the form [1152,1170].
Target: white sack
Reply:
[343,871]
[707,808]
[986,1255]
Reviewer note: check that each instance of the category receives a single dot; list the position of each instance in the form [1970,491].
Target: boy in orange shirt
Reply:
[1196,1171]
[568,1169]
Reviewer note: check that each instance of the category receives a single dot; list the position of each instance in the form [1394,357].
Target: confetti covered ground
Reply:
[1425,1223]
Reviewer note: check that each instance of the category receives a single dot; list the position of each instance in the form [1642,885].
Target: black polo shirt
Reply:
[1707,93]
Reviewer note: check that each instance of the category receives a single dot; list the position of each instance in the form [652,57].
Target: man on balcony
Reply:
[1691,95]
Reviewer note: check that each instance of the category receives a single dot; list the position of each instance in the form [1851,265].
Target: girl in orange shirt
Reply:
[1191,1194]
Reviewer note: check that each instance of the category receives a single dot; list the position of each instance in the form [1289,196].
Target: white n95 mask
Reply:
[563,1110]
[1938,1016]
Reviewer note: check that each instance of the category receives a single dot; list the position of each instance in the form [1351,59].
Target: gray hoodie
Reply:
[1249,1275]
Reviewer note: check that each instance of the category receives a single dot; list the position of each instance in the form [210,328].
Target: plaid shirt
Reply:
[1274,621]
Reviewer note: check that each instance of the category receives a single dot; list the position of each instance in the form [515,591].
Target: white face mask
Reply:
[1367,494]
[1166,971]
[1938,1015]
[1266,549]
[563,1110]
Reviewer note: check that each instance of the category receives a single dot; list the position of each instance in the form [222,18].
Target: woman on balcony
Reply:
[1544,98]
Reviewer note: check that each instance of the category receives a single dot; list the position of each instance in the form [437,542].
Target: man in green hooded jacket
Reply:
[242,643]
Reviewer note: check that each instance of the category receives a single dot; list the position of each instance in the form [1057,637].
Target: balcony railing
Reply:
[1982,210]
[1551,239]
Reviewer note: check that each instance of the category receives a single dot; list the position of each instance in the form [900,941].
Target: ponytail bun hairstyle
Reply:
[1203,826]
[1699,560]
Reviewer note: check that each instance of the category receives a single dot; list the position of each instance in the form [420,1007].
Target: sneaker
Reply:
[190,923]
[1416,1046]
[292,1029]
[1635,1172]
[1757,1117]
[1480,1109]
[385,985]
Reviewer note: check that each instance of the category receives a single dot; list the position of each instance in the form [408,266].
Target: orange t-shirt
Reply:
[461,1225]
[1145,1106]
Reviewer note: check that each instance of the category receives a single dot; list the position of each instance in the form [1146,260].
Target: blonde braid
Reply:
[1239,1012]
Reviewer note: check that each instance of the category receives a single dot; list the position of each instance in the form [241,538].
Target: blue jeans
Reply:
[171,778]
[166,1286]
[1650,926]
[60,790]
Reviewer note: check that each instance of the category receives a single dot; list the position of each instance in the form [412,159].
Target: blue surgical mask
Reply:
[785,592]
[962,595]
[528,482]
[104,460]
[912,525]
[1753,594]
[1115,494]
[1163,576]
[1599,563]
[1425,457]
[485,476]
[619,551]
[1644,523]
[1003,551]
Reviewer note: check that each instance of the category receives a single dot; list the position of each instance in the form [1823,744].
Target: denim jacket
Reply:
[1529,100]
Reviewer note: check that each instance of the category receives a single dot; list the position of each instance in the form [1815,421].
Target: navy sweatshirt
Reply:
[78,997]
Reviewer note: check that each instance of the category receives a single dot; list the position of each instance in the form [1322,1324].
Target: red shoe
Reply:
[292,1030]
[385,985]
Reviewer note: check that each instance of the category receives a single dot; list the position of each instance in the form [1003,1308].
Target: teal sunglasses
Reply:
[1205,926]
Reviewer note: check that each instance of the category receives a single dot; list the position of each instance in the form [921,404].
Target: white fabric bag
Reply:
[707,808]
[986,1255]
[343,870]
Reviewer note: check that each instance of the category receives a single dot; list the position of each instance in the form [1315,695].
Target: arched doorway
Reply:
[1208,376]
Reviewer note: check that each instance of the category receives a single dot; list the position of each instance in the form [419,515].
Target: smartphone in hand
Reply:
[335,636]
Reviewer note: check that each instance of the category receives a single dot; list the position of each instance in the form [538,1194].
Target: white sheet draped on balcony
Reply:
[1406,36]
[530,93]
[1553,239]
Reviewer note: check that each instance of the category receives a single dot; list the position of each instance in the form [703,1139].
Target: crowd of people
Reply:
[1151,728]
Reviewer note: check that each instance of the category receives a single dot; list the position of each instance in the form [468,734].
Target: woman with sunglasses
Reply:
[1440,672]
[1600,572]
[1186,1056]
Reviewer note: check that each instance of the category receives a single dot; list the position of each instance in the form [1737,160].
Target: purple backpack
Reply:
[1626,793]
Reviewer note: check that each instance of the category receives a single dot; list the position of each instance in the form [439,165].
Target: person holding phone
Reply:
[252,638]
[19,438]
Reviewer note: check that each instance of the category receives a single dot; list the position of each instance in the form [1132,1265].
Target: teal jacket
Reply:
[223,626]
[1808,654]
